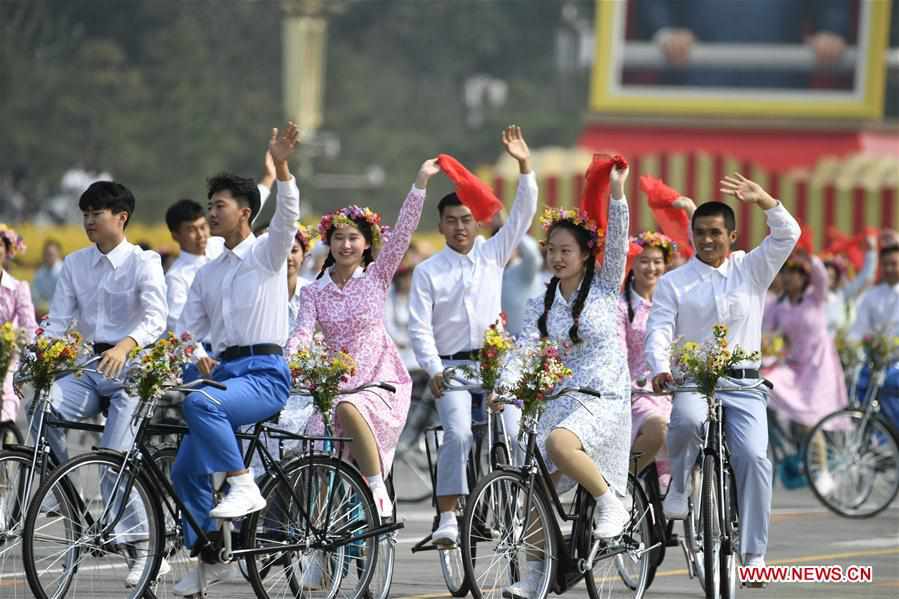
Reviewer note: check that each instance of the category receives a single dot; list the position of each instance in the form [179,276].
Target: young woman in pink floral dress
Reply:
[347,303]
[649,413]
[15,307]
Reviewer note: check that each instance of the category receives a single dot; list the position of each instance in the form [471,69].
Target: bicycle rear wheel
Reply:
[88,525]
[693,527]
[504,540]
[730,551]
[10,434]
[15,468]
[325,505]
[635,566]
[853,463]
[711,528]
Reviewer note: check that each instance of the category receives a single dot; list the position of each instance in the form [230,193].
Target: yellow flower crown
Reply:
[553,216]
[656,240]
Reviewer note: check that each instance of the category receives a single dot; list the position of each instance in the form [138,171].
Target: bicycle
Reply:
[513,517]
[854,470]
[410,465]
[491,429]
[274,542]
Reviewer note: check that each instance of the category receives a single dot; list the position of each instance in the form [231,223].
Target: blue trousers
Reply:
[258,387]
[746,429]
[889,393]
[77,398]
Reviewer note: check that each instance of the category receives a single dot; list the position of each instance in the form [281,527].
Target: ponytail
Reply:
[581,299]
[547,304]
[628,281]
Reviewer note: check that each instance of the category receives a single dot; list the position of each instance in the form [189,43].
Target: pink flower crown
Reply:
[304,236]
[579,218]
[657,240]
[15,241]
[350,217]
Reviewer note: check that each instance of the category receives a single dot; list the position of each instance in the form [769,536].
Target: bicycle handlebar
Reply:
[380,385]
[19,380]
[455,382]
[695,389]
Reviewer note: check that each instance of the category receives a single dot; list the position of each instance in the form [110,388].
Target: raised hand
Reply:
[686,204]
[617,178]
[515,145]
[746,191]
[428,169]
[282,146]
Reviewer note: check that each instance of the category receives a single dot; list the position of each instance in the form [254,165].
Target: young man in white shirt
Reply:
[878,314]
[115,291]
[455,297]
[238,301]
[719,286]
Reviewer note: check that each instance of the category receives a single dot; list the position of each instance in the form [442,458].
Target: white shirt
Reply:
[181,273]
[692,299]
[877,313]
[293,304]
[456,297]
[110,296]
[841,303]
[240,298]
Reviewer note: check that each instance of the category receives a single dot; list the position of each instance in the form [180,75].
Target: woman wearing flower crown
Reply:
[347,303]
[649,413]
[581,437]
[15,307]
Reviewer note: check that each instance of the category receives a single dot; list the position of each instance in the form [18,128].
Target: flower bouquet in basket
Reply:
[707,363]
[321,371]
[497,344]
[48,355]
[541,370]
[849,352]
[881,350]
[158,365]
[12,341]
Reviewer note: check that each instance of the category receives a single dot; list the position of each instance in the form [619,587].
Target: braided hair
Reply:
[367,256]
[583,237]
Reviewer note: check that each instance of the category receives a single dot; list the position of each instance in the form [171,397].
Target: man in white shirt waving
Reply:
[719,286]
[238,301]
[115,291]
[878,314]
[455,297]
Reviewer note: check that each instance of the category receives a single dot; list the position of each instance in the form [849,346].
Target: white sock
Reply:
[447,517]
[606,500]
[375,482]
[242,480]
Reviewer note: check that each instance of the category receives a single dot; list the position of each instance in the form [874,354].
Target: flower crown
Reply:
[656,240]
[351,216]
[579,218]
[795,264]
[13,239]
[304,236]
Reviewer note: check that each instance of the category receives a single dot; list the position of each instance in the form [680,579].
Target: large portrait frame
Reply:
[865,100]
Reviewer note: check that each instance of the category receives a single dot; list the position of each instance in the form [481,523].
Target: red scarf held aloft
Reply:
[806,240]
[851,247]
[673,222]
[473,192]
[595,196]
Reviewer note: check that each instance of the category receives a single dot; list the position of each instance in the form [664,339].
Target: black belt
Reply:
[743,373]
[235,352]
[99,348]
[470,355]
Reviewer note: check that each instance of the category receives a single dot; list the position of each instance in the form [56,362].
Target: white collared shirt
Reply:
[689,301]
[877,313]
[240,298]
[111,296]
[181,273]
[456,297]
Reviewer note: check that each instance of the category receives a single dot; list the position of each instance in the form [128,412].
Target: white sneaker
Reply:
[675,505]
[825,484]
[243,498]
[312,572]
[382,502]
[447,534]
[137,570]
[212,573]
[526,588]
[610,522]
[754,561]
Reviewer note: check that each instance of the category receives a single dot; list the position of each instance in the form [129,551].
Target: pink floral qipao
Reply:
[352,319]
[15,307]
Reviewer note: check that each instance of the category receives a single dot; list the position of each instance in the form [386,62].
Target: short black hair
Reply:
[183,211]
[52,242]
[243,189]
[717,209]
[448,201]
[108,195]
[888,249]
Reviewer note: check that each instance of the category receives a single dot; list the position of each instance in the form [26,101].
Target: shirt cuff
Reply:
[418,190]
[199,351]
[434,368]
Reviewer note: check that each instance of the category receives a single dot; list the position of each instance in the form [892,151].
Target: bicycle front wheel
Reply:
[508,535]
[853,463]
[313,530]
[92,527]
[711,528]
[635,564]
